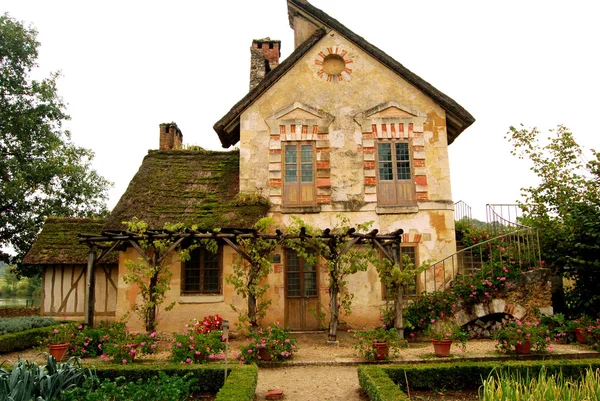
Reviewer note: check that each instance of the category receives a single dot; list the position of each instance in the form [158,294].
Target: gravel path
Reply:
[311,383]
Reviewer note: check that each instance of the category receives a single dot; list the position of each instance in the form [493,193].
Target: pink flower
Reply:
[249,351]
[153,334]
[55,331]
[124,361]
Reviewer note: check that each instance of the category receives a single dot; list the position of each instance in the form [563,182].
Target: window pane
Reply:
[402,161]
[384,151]
[291,175]
[310,284]
[293,284]
[307,154]
[307,172]
[192,281]
[290,154]
[410,252]
[292,262]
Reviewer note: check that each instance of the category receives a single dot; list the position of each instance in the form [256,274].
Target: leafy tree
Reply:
[342,257]
[565,207]
[399,277]
[151,272]
[250,269]
[42,172]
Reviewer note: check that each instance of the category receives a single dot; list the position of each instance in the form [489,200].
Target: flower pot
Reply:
[580,337]
[523,348]
[264,354]
[382,350]
[441,348]
[200,357]
[58,351]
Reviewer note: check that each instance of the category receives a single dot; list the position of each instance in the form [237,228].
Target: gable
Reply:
[228,127]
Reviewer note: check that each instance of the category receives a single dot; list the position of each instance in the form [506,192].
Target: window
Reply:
[299,179]
[301,276]
[395,184]
[411,252]
[202,273]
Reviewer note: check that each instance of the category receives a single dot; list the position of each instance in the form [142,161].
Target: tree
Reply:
[42,172]
[565,208]
[342,257]
[250,269]
[151,272]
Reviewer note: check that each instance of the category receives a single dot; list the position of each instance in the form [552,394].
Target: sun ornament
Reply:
[332,64]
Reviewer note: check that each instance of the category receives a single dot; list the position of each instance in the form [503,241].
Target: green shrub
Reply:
[427,307]
[240,384]
[22,323]
[23,339]
[470,375]
[161,387]
[27,381]
[377,384]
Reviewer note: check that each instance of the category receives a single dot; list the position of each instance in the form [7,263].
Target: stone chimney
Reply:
[170,137]
[264,56]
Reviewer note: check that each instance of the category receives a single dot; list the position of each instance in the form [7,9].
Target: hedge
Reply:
[378,385]
[23,339]
[14,311]
[386,383]
[469,375]
[240,384]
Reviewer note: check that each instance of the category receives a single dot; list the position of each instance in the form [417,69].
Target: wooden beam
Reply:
[238,250]
[140,251]
[90,286]
[171,248]
[106,252]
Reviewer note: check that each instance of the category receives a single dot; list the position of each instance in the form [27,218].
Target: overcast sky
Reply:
[130,65]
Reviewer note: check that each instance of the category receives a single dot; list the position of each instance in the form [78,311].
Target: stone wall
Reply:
[521,300]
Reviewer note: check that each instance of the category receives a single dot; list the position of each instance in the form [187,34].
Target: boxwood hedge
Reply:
[383,383]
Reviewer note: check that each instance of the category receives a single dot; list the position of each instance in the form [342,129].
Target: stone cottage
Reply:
[337,127]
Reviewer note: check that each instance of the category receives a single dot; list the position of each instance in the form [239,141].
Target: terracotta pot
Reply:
[441,348]
[58,351]
[580,337]
[264,354]
[201,357]
[382,350]
[524,348]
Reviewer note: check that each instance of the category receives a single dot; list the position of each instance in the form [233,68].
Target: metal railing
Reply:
[462,211]
[509,242]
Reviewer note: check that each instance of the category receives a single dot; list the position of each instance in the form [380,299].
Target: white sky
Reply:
[130,65]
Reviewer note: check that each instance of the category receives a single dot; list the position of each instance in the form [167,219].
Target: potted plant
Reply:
[443,332]
[270,343]
[583,328]
[59,339]
[193,347]
[378,343]
[522,337]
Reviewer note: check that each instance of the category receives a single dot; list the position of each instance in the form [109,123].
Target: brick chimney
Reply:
[170,137]
[264,56]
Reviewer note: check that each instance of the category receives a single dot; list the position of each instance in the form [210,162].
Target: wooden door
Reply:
[302,293]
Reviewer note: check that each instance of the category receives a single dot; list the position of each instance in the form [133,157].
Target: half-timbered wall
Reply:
[63,290]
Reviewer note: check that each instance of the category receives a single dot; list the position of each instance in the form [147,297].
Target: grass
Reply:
[516,387]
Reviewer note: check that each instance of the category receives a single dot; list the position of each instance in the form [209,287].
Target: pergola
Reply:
[102,245]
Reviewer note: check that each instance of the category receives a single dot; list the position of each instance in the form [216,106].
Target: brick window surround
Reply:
[394,123]
[299,125]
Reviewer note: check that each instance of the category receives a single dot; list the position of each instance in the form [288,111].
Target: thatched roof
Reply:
[228,127]
[58,242]
[194,187]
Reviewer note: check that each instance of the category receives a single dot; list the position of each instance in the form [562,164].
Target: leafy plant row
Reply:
[22,323]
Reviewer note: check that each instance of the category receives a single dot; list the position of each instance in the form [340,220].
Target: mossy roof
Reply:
[58,242]
[228,127]
[194,187]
